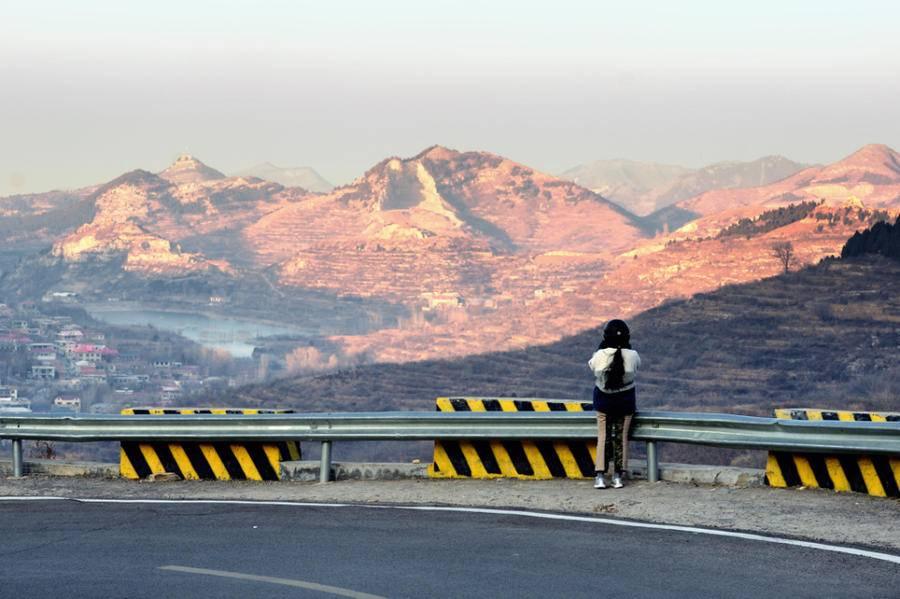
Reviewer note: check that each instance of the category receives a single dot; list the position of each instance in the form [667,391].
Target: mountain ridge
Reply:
[646,187]
[451,252]
[305,177]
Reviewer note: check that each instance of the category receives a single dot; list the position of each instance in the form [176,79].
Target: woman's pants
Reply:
[612,438]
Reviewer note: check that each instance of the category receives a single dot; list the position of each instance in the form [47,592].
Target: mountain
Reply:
[870,175]
[875,164]
[412,246]
[825,336]
[187,169]
[142,227]
[644,187]
[29,222]
[443,254]
[140,213]
[443,221]
[299,176]
[172,241]
[731,175]
[568,296]
[634,185]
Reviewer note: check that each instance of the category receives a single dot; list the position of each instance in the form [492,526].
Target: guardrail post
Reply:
[325,463]
[652,462]
[18,466]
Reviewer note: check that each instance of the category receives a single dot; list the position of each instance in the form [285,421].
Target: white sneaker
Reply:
[599,482]
[617,481]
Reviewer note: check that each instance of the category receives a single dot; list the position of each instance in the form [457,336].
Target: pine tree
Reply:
[881,238]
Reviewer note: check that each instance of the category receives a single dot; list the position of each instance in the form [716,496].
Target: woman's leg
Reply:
[616,424]
[626,431]
[602,438]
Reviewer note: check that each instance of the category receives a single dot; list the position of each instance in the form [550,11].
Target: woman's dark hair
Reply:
[617,335]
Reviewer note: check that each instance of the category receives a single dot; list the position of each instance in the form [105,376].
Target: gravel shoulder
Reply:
[821,515]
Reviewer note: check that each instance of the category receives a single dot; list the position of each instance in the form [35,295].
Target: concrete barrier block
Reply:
[522,459]
[205,460]
[877,475]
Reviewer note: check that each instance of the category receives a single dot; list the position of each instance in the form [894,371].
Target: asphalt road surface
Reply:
[64,548]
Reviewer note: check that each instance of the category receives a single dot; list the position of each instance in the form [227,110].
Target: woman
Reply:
[614,365]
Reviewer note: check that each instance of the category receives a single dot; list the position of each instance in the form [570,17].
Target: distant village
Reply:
[51,363]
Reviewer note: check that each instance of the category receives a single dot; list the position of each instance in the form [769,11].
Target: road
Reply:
[178,549]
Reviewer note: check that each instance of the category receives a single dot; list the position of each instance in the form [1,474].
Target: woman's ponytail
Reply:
[617,335]
[615,378]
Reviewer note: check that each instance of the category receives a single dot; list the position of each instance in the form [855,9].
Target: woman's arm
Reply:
[599,362]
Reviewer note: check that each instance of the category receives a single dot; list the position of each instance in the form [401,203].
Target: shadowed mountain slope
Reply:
[827,336]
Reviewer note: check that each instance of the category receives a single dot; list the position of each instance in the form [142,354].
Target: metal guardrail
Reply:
[721,430]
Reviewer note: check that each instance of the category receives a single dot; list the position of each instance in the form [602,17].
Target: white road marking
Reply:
[887,557]
[288,582]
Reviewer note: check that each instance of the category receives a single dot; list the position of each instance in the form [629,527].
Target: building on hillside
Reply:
[60,296]
[169,392]
[68,402]
[186,373]
[42,351]
[166,364]
[130,382]
[44,371]
[435,300]
[13,340]
[45,324]
[11,403]
[90,373]
[73,333]
[92,353]
[542,293]
[65,346]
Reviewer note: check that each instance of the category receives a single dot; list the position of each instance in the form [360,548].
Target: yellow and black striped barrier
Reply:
[538,459]
[206,461]
[873,474]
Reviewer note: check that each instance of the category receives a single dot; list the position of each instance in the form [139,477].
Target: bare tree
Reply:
[784,251]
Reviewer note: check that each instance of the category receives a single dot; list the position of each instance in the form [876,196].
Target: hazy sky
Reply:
[90,89]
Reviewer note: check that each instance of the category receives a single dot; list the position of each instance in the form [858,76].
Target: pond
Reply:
[237,336]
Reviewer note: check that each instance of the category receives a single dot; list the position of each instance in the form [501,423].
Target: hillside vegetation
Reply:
[882,238]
